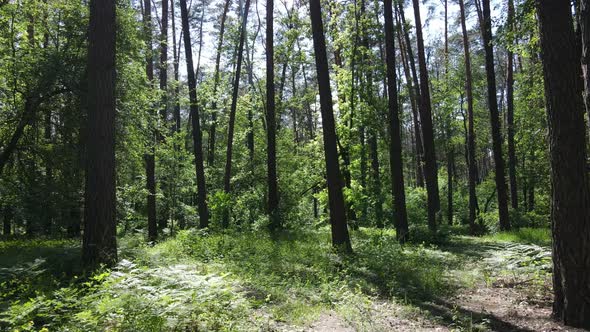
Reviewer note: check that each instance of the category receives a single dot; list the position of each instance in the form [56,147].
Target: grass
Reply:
[227,281]
[525,235]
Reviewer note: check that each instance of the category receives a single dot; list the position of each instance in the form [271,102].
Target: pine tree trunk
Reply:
[414,104]
[99,242]
[430,167]
[340,237]
[395,148]
[495,118]
[471,164]
[271,151]
[150,160]
[232,115]
[570,214]
[196,124]
[510,115]
[584,21]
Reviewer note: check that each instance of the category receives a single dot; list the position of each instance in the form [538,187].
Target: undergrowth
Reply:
[224,281]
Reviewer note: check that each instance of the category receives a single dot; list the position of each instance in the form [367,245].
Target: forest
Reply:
[294,165]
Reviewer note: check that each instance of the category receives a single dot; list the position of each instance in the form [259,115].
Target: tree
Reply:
[430,168]
[584,26]
[471,164]
[570,216]
[340,237]
[232,114]
[212,128]
[395,149]
[495,117]
[99,243]
[150,159]
[273,195]
[510,111]
[196,123]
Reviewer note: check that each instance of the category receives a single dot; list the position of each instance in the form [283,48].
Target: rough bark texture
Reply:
[232,115]
[149,157]
[395,146]
[340,237]
[570,214]
[495,118]
[414,104]
[584,22]
[472,178]
[271,150]
[99,241]
[430,167]
[196,124]
[510,115]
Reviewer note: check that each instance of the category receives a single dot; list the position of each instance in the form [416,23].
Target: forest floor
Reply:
[250,281]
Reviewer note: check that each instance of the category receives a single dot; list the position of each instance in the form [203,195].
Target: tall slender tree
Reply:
[216,78]
[501,189]
[395,144]
[339,227]
[232,113]
[584,26]
[570,186]
[195,119]
[510,111]
[99,242]
[471,163]
[430,168]
[271,150]
[150,158]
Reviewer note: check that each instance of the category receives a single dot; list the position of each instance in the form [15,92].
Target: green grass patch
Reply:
[525,235]
[226,281]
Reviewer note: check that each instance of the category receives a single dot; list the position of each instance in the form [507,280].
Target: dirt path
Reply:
[512,293]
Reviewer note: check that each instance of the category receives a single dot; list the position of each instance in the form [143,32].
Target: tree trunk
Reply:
[150,160]
[271,153]
[395,148]
[99,242]
[471,164]
[414,104]
[6,221]
[232,115]
[495,118]
[430,167]
[340,237]
[584,21]
[570,215]
[211,152]
[176,64]
[196,124]
[510,115]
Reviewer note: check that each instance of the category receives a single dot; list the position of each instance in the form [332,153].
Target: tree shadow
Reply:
[449,313]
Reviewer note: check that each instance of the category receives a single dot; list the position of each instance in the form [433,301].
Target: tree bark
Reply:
[570,215]
[430,167]
[395,147]
[150,160]
[471,164]
[196,124]
[271,153]
[510,113]
[495,118]
[414,104]
[340,237]
[99,242]
[584,22]
[232,115]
